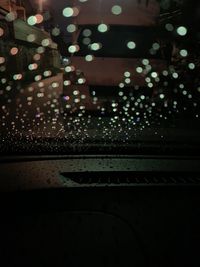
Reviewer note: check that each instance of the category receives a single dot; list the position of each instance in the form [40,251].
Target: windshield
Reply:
[101,73]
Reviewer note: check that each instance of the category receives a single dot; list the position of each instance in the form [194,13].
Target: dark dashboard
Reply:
[100,211]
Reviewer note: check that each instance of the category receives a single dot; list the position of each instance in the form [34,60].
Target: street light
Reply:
[41,10]
[40,6]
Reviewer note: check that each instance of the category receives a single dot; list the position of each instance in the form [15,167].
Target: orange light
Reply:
[2,60]
[39,18]
[37,57]
[14,51]
[1,32]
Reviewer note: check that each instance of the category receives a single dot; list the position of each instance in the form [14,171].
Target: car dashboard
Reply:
[100,210]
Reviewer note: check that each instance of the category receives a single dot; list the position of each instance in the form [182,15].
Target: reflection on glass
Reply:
[99,71]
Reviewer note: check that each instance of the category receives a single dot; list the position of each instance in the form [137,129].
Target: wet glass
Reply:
[103,73]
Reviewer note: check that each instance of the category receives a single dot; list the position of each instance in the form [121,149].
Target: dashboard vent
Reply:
[132,178]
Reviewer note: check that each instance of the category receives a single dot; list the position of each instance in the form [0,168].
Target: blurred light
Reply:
[127,80]
[38,78]
[37,57]
[76,92]
[1,32]
[131,45]
[11,16]
[154,74]
[66,98]
[169,27]
[70,68]
[31,38]
[165,72]
[162,96]
[116,10]
[139,70]
[73,48]
[55,85]
[33,66]
[127,74]
[89,58]
[156,46]
[86,41]
[45,42]
[76,11]
[191,66]
[95,46]
[102,28]
[67,83]
[81,80]
[183,53]
[14,51]
[71,28]
[40,50]
[150,85]
[87,32]
[47,73]
[56,31]
[68,12]
[145,61]
[32,20]
[39,18]
[182,30]
[2,60]
[175,75]
[17,77]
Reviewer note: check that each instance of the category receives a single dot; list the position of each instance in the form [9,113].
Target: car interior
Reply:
[99,133]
